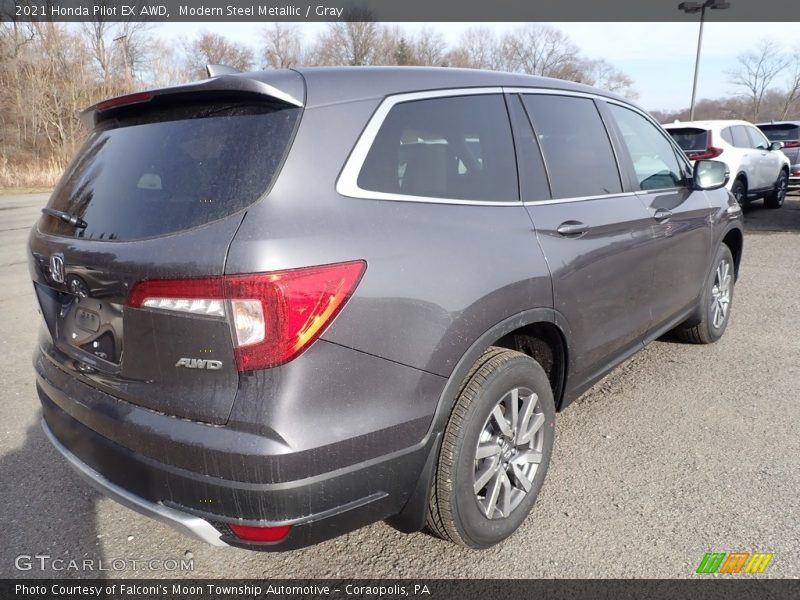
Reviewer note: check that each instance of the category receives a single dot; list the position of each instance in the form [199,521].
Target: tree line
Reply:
[49,72]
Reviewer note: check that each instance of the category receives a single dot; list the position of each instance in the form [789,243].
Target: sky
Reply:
[659,57]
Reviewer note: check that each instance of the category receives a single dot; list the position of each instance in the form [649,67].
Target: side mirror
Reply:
[776,146]
[710,174]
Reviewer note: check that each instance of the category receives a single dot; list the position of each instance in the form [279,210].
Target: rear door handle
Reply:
[572,228]
[662,215]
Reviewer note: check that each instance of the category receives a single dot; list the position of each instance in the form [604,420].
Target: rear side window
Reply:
[170,169]
[652,154]
[577,151]
[690,139]
[456,148]
[781,133]
[740,138]
[727,135]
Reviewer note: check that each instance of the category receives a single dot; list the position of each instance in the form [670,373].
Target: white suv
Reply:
[758,167]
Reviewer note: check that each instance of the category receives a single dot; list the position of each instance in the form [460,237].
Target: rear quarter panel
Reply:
[438,275]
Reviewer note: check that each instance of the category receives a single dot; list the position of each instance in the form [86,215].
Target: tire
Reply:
[739,191]
[710,328]
[457,512]
[778,195]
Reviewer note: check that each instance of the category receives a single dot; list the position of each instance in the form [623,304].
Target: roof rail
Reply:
[214,70]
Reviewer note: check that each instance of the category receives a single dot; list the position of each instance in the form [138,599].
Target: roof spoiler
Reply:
[285,86]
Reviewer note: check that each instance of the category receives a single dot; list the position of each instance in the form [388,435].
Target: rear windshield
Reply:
[171,169]
[781,133]
[690,138]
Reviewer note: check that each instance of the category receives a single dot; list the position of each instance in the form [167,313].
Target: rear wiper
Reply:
[66,217]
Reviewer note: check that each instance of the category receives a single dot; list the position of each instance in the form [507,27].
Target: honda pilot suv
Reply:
[280,306]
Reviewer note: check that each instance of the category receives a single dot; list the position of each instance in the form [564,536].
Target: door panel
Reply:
[680,216]
[602,278]
[684,244]
[598,240]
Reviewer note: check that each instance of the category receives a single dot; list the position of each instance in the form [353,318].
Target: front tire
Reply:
[776,198]
[495,451]
[716,302]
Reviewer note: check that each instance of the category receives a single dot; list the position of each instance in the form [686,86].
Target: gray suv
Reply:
[280,306]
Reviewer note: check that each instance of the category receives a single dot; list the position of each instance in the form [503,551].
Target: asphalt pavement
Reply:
[682,450]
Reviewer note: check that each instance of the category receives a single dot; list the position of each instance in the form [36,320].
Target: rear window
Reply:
[170,169]
[781,133]
[690,139]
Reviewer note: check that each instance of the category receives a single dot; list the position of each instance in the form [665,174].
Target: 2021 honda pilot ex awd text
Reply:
[279,306]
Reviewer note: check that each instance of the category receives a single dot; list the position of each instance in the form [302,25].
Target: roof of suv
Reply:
[709,124]
[328,85]
[797,123]
[333,85]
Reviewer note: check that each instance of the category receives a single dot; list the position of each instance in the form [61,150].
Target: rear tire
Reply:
[716,302]
[494,456]
[775,198]
[739,191]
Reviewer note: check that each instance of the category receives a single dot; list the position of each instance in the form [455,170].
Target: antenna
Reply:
[214,70]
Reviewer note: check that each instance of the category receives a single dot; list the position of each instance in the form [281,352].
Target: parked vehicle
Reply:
[788,134]
[758,168]
[279,306]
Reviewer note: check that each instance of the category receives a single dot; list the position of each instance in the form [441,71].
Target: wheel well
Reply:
[733,240]
[741,177]
[545,343]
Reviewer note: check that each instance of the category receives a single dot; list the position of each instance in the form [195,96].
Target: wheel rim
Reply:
[508,453]
[782,184]
[738,193]
[721,294]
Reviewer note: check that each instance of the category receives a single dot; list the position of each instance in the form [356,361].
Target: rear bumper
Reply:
[183,522]
[144,468]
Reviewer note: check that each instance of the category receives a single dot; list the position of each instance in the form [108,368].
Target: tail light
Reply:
[137,98]
[273,316]
[260,534]
[791,144]
[707,154]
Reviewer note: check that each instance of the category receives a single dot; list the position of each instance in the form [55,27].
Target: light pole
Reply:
[691,8]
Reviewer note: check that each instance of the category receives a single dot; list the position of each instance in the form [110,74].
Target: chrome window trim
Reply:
[577,199]
[347,182]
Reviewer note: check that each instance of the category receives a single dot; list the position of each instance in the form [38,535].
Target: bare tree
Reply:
[212,48]
[792,89]
[539,50]
[757,71]
[602,74]
[347,43]
[283,46]
[478,48]
[429,47]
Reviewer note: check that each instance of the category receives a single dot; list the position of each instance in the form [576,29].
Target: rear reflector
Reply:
[260,534]
[273,316]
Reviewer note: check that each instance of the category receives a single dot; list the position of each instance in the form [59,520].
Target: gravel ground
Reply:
[682,450]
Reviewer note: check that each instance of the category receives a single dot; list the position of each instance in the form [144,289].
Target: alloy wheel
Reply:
[508,453]
[721,293]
